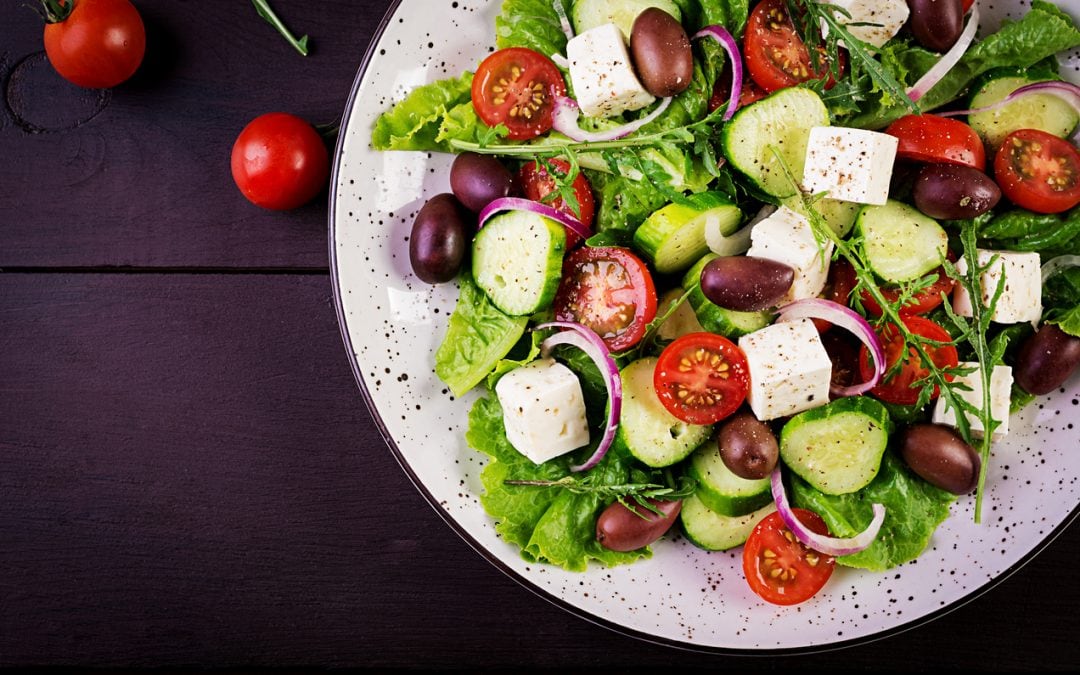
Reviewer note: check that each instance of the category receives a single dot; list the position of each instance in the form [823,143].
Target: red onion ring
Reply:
[1066,91]
[833,546]
[838,315]
[731,46]
[576,231]
[589,342]
[565,114]
[948,60]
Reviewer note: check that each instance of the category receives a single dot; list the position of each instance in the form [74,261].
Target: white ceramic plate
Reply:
[392,324]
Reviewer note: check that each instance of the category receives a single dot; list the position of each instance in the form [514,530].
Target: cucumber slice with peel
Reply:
[673,237]
[517,261]
[713,531]
[901,242]
[714,318]
[586,14]
[1044,112]
[682,321]
[720,489]
[838,214]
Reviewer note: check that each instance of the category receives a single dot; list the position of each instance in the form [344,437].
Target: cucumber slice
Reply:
[587,14]
[839,215]
[901,242]
[517,261]
[712,531]
[782,121]
[1038,111]
[673,237]
[682,321]
[716,319]
[646,428]
[837,448]
[720,489]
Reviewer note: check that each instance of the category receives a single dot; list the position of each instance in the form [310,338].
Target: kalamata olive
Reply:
[936,24]
[953,192]
[941,457]
[748,447]
[620,529]
[439,239]
[477,180]
[1046,360]
[746,283]
[661,53]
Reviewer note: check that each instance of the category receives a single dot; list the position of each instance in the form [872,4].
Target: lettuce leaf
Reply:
[531,23]
[913,510]
[550,525]
[478,336]
[416,122]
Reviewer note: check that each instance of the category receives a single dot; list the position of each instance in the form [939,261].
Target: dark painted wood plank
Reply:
[188,476]
[140,175]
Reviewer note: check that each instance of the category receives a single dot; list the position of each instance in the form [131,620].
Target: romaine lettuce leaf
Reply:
[531,23]
[913,510]
[416,122]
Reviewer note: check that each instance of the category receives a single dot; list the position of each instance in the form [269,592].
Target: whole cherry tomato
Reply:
[95,44]
[279,161]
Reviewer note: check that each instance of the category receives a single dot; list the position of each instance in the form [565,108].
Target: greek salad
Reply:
[772,274]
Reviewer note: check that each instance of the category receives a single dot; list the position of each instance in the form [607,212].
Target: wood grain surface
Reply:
[188,476]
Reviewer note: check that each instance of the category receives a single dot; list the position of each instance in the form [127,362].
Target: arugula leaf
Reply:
[416,122]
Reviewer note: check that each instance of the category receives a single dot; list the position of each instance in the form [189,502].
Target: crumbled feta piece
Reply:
[603,74]
[543,410]
[1001,381]
[786,236]
[1020,301]
[853,165]
[889,15]
[790,370]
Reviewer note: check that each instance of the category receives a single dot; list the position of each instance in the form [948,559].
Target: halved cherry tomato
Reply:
[779,567]
[537,183]
[701,378]
[902,387]
[921,303]
[722,90]
[929,138]
[776,56]
[838,287]
[1038,171]
[610,290]
[516,87]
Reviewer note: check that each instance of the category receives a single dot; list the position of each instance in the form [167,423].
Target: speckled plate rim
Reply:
[490,556]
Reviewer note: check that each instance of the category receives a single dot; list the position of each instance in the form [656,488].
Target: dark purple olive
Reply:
[745,283]
[1046,360]
[748,447]
[477,180]
[661,53]
[953,192]
[439,239]
[938,454]
[620,529]
[936,24]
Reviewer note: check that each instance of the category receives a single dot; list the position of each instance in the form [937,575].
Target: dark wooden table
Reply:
[188,475]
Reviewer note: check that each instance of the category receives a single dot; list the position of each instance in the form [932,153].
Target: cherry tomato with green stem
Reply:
[96,44]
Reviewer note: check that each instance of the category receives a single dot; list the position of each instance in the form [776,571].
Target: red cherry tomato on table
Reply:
[610,290]
[517,87]
[779,567]
[279,161]
[98,44]
[1038,171]
[902,388]
[537,184]
[701,378]
[929,138]
[776,56]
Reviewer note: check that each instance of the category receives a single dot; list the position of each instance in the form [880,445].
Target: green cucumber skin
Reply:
[720,489]
[588,14]
[712,531]
[673,237]
[895,251]
[648,431]
[715,319]
[994,126]
[508,297]
[727,504]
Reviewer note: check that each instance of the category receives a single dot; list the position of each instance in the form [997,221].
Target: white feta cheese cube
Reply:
[603,74]
[1001,381]
[1020,301]
[790,370]
[786,236]
[543,410]
[852,165]
[889,15]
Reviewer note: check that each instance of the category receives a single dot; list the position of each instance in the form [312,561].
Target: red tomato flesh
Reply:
[776,56]
[516,87]
[778,567]
[903,386]
[701,378]
[921,303]
[537,184]
[929,138]
[1038,171]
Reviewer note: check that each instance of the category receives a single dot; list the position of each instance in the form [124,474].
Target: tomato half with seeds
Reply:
[776,56]
[902,387]
[778,567]
[1038,171]
[920,303]
[517,87]
[610,290]
[537,183]
[701,378]
[929,138]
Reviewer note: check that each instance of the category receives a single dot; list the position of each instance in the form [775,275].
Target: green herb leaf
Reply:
[264,10]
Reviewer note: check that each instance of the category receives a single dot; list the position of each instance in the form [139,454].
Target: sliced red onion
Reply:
[1066,91]
[576,231]
[589,342]
[949,59]
[833,546]
[731,46]
[838,315]
[738,241]
[565,114]
[1061,262]
[564,21]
